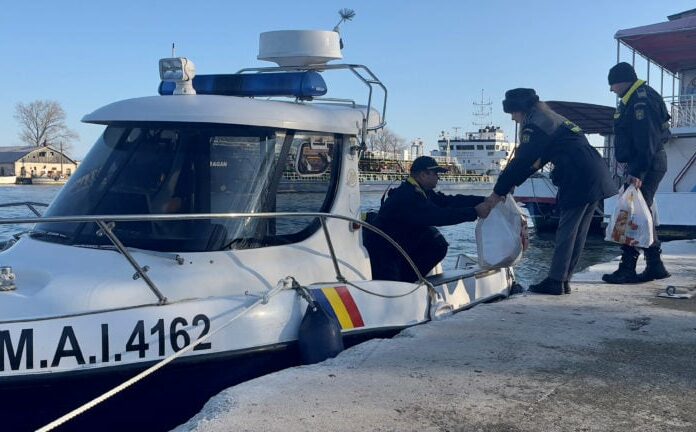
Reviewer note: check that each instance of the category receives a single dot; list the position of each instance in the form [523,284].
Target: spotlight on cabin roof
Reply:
[299,48]
[179,70]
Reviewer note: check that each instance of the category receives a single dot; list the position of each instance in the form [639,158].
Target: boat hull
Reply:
[157,403]
[54,365]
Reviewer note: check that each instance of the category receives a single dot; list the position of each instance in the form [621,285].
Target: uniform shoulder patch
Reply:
[642,93]
[525,138]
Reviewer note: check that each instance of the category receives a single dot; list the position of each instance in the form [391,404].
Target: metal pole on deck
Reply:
[618,50]
[662,79]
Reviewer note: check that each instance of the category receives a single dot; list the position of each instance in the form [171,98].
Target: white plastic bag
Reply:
[631,223]
[499,237]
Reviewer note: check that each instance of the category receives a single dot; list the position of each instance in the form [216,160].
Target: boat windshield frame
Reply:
[148,168]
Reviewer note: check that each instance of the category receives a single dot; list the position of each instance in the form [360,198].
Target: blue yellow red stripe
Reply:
[339,303]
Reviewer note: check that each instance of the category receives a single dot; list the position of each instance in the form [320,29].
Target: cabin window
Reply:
[313,155]
[198,169]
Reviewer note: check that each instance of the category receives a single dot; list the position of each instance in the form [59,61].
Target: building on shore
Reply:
[30,163]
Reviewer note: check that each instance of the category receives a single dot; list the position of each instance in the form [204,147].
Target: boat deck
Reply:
[606,357]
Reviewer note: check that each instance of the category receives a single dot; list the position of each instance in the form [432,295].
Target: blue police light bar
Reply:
[303,85]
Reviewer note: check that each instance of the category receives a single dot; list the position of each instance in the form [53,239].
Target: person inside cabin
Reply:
[409,215]
[579,173]
[641,128]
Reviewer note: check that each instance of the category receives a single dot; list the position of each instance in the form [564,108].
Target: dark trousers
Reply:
[426,249]
[570,240]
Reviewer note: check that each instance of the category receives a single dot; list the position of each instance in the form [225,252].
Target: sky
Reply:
[435,57]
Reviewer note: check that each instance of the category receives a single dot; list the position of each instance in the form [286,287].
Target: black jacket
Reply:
[580,174]
[409,211]
[640,128]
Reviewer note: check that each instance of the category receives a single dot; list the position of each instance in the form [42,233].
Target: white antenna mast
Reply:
[483,112]
[173,50]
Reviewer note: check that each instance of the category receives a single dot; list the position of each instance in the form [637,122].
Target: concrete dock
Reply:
[606,358]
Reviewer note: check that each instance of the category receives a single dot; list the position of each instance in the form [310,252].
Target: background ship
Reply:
[474,158]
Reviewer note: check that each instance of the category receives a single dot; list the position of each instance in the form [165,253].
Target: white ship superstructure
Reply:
[484,152]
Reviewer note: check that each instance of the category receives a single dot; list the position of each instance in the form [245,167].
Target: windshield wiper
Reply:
[48,235]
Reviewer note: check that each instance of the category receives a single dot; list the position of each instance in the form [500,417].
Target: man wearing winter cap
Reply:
[579,172]
[641,128]
[409,215]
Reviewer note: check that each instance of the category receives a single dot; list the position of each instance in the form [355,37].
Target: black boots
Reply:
[626,274]
[548,286]
[654,268]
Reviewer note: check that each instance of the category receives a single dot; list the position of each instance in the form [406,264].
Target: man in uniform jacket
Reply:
[579,172]
[409,215]
[640,130]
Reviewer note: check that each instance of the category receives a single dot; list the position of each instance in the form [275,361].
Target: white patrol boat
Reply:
[179,259]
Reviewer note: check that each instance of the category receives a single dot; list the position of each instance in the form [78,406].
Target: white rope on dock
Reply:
[99,399]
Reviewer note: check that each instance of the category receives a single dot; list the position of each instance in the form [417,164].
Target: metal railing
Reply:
[683,172]
[107,224]
[363,73]
[31,204]
[443,178]
[682,110]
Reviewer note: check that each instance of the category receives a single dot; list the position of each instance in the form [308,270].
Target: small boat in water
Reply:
[179,259]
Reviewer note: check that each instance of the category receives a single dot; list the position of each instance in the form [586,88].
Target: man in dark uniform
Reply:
[640,130]
[580,174]
[409,215]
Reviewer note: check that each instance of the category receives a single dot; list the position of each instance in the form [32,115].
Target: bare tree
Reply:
[43,122]
[387,141]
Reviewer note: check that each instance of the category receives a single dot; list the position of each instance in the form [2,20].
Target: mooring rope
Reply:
[283,284]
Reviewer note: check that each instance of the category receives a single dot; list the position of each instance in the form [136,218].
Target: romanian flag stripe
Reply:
[324,302]
[339,303]
[339,308]
[351,307]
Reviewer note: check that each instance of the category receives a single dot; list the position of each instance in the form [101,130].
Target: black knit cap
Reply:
[423,163]
[622,72]
[519,100]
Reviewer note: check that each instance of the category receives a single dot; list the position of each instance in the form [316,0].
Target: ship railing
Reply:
[447,178]
[388,176]
[364,75]
[682,110]
[107,223]
[294,176]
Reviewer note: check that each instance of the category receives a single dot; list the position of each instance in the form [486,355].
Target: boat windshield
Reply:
[192,169]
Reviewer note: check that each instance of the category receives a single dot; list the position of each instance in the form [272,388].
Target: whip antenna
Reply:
[346,15]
